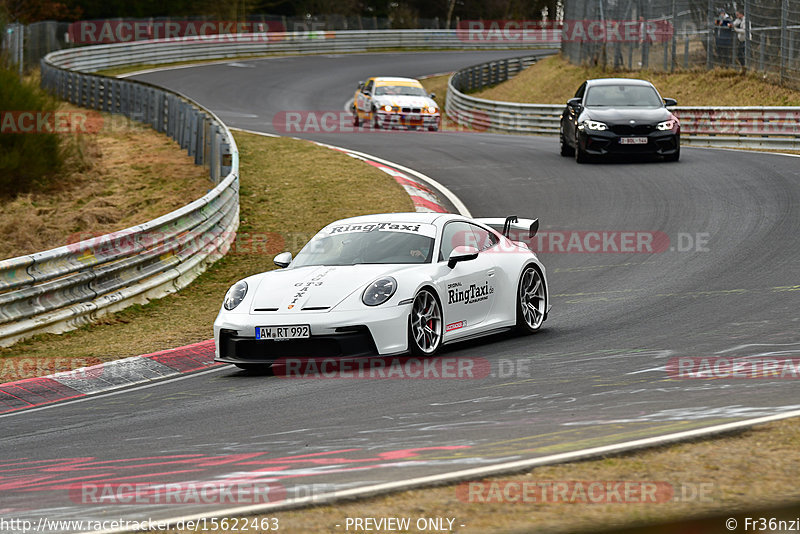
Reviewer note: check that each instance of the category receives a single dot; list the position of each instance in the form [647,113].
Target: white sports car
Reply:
[386,284]
[390,102]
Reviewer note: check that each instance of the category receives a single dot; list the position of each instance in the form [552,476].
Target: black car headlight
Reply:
[379,291]
[235,295]
[667,125]
[593,125]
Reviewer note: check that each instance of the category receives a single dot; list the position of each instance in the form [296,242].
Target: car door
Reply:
[468,288]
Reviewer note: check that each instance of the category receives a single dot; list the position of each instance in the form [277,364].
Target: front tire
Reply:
[531,300]
[375,124]
[580,155]
[674,157]
[566,150]
[425,324]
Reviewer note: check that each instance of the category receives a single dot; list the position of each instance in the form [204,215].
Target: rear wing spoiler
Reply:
[513,227]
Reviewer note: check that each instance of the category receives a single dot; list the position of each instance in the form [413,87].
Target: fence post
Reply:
[784,23]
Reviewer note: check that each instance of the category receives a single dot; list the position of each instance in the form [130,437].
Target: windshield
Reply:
[638,96]
[352,248]
[404,90]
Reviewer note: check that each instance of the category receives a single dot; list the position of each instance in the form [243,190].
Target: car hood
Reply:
[314,288]
[404,101]
[625,115]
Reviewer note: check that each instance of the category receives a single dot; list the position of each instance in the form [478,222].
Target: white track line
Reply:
[475,473]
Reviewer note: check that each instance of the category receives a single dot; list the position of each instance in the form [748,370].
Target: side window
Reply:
[455,234]
[581,90]
[368,88]
[484,238]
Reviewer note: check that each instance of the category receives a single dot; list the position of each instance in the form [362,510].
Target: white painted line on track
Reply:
[475,473]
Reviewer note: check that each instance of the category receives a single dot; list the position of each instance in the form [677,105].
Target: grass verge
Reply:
[289,190]
[749,470]
[553,80]
[120,176]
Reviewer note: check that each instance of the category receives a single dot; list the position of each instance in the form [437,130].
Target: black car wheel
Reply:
[531,300]
[674,157]
[375,123]
[580,155]
[566,150]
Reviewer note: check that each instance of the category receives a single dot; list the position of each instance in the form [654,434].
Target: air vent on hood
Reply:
[316,308]
[265,309]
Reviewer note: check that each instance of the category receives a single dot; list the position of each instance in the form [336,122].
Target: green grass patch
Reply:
[553,80]
[290,189]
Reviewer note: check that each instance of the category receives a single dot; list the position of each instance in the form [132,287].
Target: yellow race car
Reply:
[389,102]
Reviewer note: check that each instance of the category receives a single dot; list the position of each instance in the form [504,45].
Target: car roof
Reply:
[617,81]
[395,80]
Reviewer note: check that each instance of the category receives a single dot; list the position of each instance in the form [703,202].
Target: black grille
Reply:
[627,129]
[411,110]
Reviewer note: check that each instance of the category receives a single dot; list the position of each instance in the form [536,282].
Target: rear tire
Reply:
[531,300]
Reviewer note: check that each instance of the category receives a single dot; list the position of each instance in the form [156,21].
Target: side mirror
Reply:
[670,102]
[283,259]
[432,96]
[462,253]
[574,103]
[360,85]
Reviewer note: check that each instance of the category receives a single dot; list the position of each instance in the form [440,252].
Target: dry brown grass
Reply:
[289,190]
[123,176]
[553,81]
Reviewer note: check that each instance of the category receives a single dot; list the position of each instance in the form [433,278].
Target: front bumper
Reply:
[392,119]
[606,142]
[335,333]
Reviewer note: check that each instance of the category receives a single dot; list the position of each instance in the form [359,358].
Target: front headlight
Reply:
[667,125]
[379,291]
[235,295]
[387,108]
[593,125]
[432,109]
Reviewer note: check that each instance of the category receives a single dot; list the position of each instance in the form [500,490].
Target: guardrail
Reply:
[93,58]
[63,288]
[776,128]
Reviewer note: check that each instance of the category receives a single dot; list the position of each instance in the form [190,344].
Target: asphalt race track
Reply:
[726,284]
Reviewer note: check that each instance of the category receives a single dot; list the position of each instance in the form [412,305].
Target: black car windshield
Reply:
[622,96]
[353,248]
[404,90]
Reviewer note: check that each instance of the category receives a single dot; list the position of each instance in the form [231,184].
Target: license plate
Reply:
[413,118]
[633,140]
[295,331]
